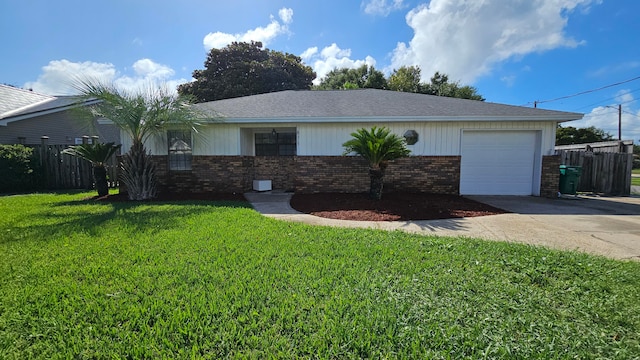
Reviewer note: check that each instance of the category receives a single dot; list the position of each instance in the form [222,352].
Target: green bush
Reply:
[17,169]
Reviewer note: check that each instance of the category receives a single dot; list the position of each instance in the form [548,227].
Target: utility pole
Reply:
[619,121]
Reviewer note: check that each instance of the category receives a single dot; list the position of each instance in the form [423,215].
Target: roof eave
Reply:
[8,119]
[383,119]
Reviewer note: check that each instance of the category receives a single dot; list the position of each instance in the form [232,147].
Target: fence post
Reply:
[44,159]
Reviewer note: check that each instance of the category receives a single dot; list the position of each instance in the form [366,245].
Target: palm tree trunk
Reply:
[138,173]
[377,182]
[100,179]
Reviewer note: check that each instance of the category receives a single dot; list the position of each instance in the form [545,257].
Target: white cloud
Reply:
[264,34]
[310,52]
[606,118]
[148,68]
[382,7]
[332,57]
[57,77]
[465,39]
[286,15]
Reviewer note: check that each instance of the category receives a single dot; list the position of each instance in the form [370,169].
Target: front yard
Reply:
[84,279]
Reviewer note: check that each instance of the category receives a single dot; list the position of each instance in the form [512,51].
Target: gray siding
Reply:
[62,128]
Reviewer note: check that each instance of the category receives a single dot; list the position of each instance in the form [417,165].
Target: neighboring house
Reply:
[26,116]
[294,138]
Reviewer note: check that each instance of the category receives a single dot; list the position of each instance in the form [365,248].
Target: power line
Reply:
[609,99]
[586,92]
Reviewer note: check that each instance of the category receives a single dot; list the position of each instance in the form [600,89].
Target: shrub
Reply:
[18,172]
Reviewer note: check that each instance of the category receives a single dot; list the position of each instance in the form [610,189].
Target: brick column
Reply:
[550,177]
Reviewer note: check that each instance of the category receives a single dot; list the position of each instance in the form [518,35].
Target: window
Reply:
[276,144]
[179,149]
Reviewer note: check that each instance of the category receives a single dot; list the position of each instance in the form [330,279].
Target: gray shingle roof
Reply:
[14,100]
[342,105]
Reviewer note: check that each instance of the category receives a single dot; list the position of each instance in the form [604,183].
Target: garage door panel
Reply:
[497,162]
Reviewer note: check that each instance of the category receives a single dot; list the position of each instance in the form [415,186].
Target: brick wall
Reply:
[225,174]
[432,174]
[316,174]
[309,174]
[550,177]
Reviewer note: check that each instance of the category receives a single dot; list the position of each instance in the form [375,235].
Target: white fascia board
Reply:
[385,119]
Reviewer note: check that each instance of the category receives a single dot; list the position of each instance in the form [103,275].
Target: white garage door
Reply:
[497,162]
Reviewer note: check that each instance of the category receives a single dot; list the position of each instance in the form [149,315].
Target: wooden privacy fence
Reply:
[602,172]
[62,171]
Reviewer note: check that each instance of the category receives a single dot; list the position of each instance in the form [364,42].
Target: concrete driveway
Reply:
[608,226]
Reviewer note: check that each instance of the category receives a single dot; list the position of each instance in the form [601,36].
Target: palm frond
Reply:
[98,153]
[377,145]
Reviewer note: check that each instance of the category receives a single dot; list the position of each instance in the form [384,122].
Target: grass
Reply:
[81,279]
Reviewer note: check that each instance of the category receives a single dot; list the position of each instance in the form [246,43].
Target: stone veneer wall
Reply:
[309,174]
[550,177]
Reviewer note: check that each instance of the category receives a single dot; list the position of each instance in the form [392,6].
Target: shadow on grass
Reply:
[93,218]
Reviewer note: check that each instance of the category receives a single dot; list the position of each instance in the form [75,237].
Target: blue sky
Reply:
[514,51]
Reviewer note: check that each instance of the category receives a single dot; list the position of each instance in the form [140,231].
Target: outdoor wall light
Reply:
[411,136]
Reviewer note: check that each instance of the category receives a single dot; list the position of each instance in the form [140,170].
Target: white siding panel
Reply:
[435,138]
[218,139]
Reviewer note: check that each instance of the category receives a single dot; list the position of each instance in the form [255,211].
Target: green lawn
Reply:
[635,180]
[81,279]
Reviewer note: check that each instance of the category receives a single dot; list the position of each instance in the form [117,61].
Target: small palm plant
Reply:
[98,154]
[141,115]
[378,146]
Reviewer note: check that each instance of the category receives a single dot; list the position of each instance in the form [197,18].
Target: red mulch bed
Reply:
[398,206]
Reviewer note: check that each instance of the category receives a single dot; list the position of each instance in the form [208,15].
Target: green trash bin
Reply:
[569,179]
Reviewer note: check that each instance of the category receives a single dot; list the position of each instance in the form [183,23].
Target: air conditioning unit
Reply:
[262,185]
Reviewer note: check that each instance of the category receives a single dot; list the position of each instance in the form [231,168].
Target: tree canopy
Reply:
[242,69]
[441,86]
[364,77]
[405,79]
[570,135]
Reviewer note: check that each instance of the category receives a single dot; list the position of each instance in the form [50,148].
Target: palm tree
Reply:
[378,147]
[141,115]
[97,154]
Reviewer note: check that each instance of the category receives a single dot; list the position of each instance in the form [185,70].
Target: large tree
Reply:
[358,78]
[141,115]
[570,135]
[378,146]
[242,69]
[441,86]
[406,79]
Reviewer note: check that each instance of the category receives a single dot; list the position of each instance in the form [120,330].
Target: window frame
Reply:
[181,157]
[278,144]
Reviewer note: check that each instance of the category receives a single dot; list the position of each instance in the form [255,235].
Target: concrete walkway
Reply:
[601,226]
